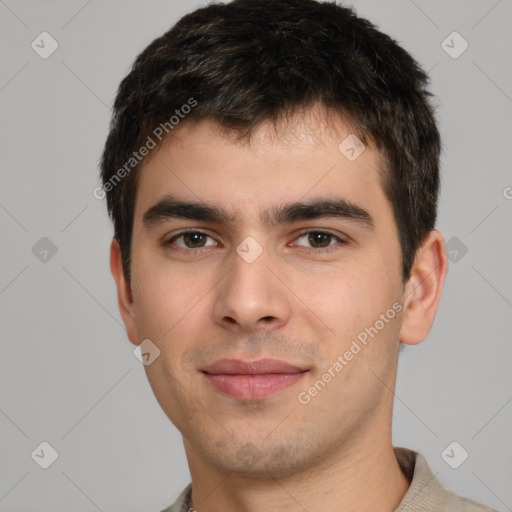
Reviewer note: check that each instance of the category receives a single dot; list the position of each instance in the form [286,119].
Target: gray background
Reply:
[68,375]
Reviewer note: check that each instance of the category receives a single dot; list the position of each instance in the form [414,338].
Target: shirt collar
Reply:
[424,494]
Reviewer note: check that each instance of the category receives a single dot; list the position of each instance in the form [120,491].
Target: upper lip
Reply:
[259,367]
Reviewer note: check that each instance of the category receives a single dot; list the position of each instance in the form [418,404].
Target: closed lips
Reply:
[255,380]
[260,367]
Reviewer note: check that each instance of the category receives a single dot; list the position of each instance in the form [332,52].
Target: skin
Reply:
[291,303]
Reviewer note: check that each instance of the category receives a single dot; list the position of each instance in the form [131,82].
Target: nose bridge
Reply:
[251,296]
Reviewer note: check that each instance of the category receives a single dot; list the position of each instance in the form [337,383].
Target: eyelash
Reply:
[322,250]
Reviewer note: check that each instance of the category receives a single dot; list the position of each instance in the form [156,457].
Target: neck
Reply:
[367,478]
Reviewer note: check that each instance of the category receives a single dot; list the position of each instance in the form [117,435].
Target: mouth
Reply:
[252,380]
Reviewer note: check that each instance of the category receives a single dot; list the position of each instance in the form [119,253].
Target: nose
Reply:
[251,296]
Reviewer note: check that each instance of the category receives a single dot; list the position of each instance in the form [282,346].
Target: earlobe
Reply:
[124,293]
[424,288]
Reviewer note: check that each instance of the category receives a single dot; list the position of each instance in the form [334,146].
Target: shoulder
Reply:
[182,503]
[426,492]
[453,502]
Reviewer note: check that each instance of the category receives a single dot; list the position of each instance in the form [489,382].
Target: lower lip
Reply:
[253,387]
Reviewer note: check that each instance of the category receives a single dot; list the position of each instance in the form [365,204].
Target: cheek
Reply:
[345,304]
[173,307]
[162,299]
[351,308]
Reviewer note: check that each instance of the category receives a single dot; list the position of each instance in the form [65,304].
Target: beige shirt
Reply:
[425,493]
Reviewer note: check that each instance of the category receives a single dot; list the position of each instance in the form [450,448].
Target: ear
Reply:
[124,293]
[423,289]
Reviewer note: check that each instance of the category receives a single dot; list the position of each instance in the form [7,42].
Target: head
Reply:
[272,172]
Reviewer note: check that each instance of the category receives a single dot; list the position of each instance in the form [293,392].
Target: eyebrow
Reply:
[171,208]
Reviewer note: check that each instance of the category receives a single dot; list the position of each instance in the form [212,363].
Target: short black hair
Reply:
[249,61]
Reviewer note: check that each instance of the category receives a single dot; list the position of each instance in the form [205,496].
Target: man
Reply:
[272,171]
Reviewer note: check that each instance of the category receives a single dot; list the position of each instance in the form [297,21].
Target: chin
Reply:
[247,460]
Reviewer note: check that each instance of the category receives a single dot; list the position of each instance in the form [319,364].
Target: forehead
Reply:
[297,159]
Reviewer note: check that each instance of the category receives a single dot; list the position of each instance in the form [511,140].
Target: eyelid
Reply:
[170,240]
[341,239]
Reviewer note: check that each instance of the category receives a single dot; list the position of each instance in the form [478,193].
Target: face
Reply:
[277,325]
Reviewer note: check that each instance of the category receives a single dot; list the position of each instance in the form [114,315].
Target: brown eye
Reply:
[190,240]
[194,240]
[318,239]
